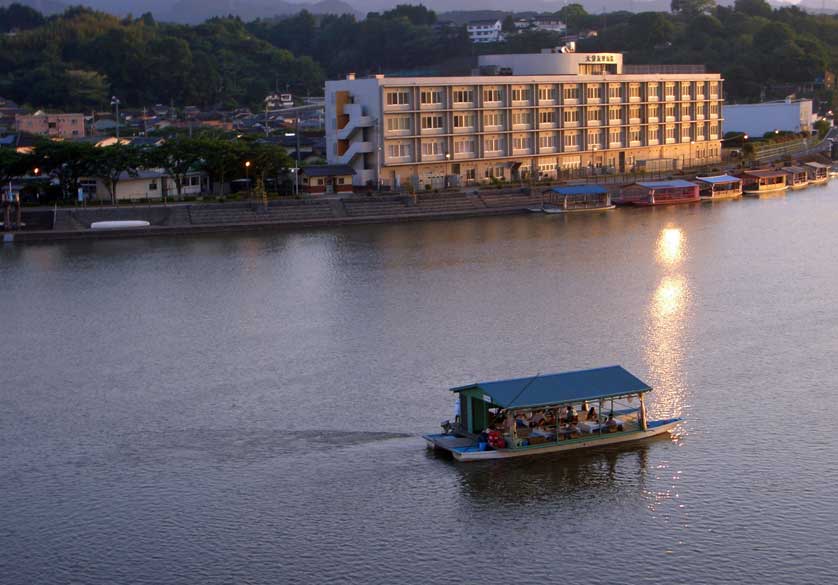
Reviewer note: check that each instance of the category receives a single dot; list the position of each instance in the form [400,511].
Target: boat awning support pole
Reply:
[643,412]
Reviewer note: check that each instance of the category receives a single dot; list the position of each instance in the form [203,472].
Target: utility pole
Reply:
[115,103]
[297,173]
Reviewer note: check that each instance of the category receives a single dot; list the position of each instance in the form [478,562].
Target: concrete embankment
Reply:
[74,224]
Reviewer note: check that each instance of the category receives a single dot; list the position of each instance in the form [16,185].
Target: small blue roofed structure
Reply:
[658,193]
[673,184]
[719,179]
[579,189]
[549,389]
[719,187]
[577,198]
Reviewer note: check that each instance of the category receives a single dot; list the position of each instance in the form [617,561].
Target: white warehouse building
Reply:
[759,119]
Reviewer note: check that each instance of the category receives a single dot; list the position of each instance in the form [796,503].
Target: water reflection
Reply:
[557,477]
[665,348]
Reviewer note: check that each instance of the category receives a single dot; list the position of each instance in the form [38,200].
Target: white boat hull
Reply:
[118,224]
[571,445]
[585,210]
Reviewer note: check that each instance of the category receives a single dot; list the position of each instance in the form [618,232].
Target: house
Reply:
[146,184]
[556,26]
[54,125]
[485,31]
[323,179]
[758,119]
[276,101]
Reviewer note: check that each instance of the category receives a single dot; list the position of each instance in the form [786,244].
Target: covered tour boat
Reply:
[658,193]
[575,198]
[797,178]
[818,172]
[759,182]
[548,414]
[719,187]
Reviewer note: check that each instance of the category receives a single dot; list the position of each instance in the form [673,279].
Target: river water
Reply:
[248,408]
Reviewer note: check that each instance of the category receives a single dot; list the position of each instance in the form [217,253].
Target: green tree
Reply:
[16,17]
[692,8]
[12,164]
[178,157]
[753,8]
[508,25]
[416,14]
[574,16]
[67,162]
[222,159]
[113,163]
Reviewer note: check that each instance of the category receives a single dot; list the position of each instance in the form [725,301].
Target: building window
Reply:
[463,120]
[520,94]
[685,111]
[615,91]
[492,144]
[570,92]
[594,138]
[634,112]
[547,141]
[398,150]
[341,180]
[634,91]
[652,90]
[714,109]
[521,142]
[615,114]
[652,135]
[398,98]
[432,149]
[396,123]
[463,96]
[615,136]
[152,186]
[670,134]
[430,96]
[464,146]
[634,136]
[669,90]
[571,116]
[547,117]
[547,93]
[571,140]
[653,112]
[685,133]
[594,92]
[520,118]
[594,115]
[491,119]
[670,111]
[195,181]
[491,95]
[431,122]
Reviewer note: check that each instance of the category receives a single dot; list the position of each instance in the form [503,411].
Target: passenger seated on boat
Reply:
[549,419]
[537,419]
[570,415]
[591,414]
[612,424]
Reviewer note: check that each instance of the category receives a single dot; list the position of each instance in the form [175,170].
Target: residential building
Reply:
[758,119]
[485,31]
[323,179]
[548,112]
[145,184]
[54,125]
[556,26]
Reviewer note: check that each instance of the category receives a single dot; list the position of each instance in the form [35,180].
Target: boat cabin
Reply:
[798,177]
[818,173]
[719,187]
[578,198]
[762,181]
[547,413]
[659,193]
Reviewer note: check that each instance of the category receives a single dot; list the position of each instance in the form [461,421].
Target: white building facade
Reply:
[485,31]
[759,119]
[584,112]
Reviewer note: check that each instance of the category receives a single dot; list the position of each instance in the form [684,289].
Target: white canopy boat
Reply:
[532,416]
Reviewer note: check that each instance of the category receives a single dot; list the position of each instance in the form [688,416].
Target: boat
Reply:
[537,415]
[658,193]
[719,187]
[798,177]
[818,172]
[119,224]
[759,182]
[576,198]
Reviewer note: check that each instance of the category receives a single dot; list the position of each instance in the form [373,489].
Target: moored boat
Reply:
[658,193]
[719,187]
[759,182]
[818,172]
[538,415]
[798,177]
[576,198]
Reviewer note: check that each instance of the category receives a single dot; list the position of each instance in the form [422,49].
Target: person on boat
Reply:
[591,414]
[570,415]
[612,425]
[549,419]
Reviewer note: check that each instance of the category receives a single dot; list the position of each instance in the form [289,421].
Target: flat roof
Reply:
[792,169]
[567,387]
[524,79]
[765,173]
[719,179]
[816,165]
[674,184]
[579,190]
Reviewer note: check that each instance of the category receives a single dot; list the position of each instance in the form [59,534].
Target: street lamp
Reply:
[247,176]
[115,104]
[447,158]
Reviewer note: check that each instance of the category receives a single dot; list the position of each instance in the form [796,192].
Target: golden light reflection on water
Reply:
[665,348]
[671,246]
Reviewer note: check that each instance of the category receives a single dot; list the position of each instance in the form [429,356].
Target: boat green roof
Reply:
[543,390]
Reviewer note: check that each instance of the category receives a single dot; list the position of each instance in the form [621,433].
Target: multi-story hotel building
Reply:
[535,115]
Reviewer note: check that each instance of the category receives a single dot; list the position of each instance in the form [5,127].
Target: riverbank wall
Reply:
[182,219]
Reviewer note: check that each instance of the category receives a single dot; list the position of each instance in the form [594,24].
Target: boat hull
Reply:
[758,192]
[734,195]
[580,210]
[655,428]
[799,186]
[820,181]
[666,202]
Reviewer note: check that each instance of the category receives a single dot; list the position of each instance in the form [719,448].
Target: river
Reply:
[248,408]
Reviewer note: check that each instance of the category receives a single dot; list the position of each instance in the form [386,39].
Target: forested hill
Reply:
[78,59]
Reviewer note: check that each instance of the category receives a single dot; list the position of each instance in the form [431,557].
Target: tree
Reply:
[573,15]
[416,14]
[67,162]
[114,163]
[648,29]
[178,157]
[19,17]
[12,164]
[753,8]
[692,8]
[222,159]
[508,25]
[267,160]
